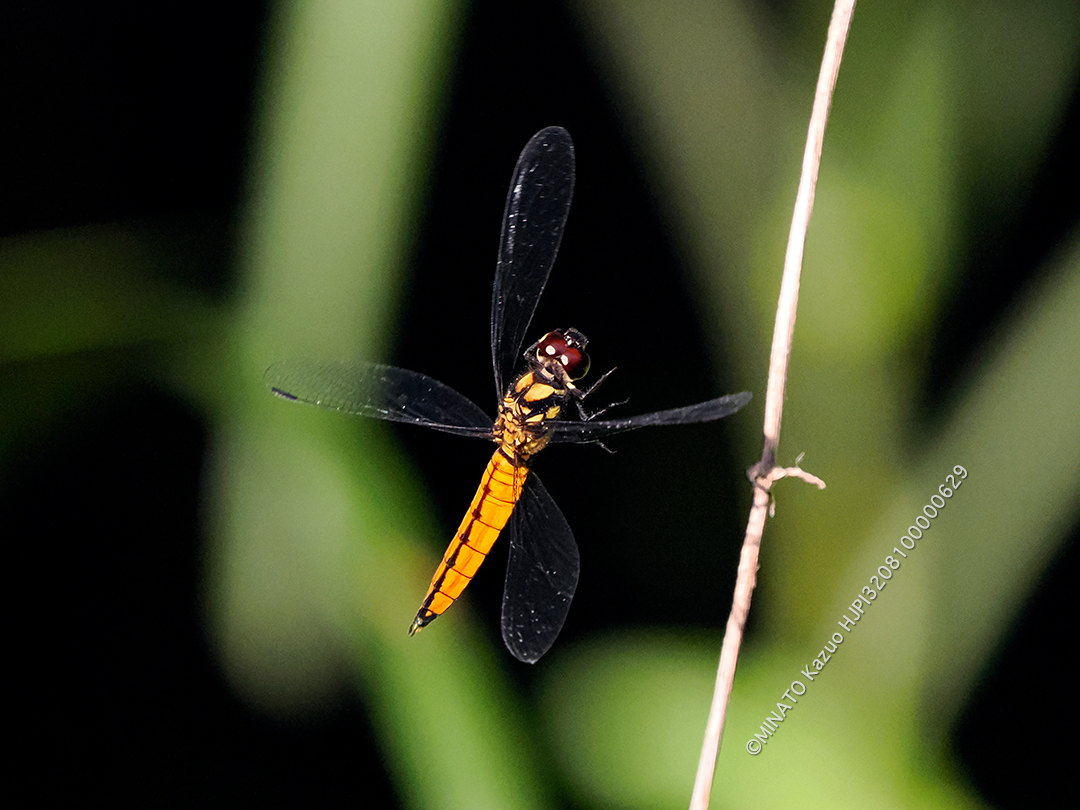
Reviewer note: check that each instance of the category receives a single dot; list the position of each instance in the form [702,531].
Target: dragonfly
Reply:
[541,405]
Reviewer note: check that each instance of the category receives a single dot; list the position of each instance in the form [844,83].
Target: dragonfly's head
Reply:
[566,349]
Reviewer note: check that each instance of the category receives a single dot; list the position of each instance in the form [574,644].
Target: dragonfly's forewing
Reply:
[536,209]
[379,392]
[591,430]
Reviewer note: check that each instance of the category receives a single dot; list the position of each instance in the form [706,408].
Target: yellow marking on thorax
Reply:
[538,391]
[521,414]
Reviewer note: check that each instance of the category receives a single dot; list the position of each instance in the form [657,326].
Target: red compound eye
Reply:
[568,349]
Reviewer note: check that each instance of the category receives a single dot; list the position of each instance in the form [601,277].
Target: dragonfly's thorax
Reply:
[525,415]
[538,395]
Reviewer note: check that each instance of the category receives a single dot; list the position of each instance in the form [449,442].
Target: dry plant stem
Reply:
[765,473]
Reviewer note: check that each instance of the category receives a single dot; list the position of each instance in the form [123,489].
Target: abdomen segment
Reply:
[499,490]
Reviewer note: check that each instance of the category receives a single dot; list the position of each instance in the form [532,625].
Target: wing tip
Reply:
[522,654]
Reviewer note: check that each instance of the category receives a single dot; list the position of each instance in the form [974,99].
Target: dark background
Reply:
[127,112]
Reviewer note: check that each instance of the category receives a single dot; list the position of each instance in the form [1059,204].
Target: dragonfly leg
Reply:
[579,399]
[596,384]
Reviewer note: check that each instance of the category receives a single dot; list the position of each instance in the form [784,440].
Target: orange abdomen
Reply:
[499,490]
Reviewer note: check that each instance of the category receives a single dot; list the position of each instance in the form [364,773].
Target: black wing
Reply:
[541,576]
[588,431]
[380,392]
[536,209]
